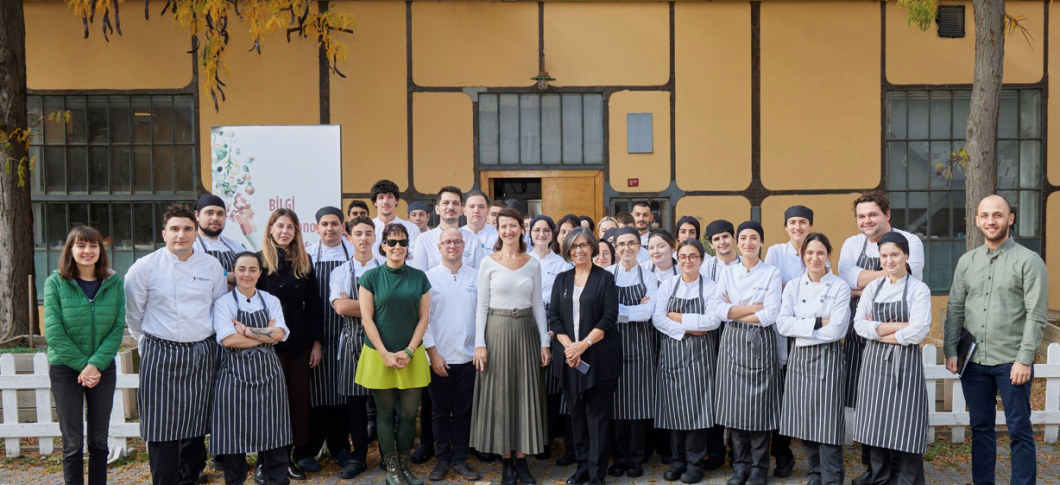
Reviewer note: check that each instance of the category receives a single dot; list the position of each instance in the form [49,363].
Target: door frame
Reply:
[487,176]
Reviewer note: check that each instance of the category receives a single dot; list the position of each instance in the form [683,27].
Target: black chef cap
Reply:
[757,226]
[419,205]
[690,220]
[592,225]
[473,193]
[622,231]
[661,232]
[610,233]
[798,211]
[329,210]
[896,238]
[207,200]
[514,204]
[547,219]
[719,226]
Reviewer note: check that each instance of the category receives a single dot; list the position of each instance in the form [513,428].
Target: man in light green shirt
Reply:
[1000,295]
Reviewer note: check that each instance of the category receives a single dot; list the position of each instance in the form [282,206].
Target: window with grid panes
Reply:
[541,129]
[924,128]
[116,166]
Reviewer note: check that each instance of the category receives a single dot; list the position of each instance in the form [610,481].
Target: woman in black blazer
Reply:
[592,363]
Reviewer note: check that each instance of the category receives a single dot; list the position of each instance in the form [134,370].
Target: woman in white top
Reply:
[511,347]
[816,313]
[604,225]
[686,363]
[894,316]
[747,401]
[661,263]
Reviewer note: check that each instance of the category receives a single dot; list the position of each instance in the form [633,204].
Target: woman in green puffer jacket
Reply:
[84,319]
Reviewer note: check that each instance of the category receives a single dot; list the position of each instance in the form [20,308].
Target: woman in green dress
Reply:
[395,301]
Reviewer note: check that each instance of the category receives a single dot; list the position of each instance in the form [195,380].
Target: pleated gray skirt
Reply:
[509,411]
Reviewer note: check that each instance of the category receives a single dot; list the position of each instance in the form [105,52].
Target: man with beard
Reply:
[642,219]
[418,215]
[476,210]
[210,216]
[385,196]
[448,208]
[327,407]
[1011,283]
[859,265]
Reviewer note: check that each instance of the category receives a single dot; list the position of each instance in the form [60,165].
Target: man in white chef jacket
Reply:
[448,208]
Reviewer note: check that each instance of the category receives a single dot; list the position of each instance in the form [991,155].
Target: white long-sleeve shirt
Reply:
[171,299]
[804,301]
[427,255]
[340,277]
[625,278]
[657,276]
[414,232]
[487,237]
[507,289]
[760,284]
[848,256]
[694,322]
[551,266]
[451,323]
[918,297]
[224,310]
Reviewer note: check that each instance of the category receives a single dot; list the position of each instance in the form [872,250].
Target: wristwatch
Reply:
[587,339]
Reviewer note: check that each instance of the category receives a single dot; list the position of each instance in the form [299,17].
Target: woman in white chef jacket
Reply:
[661,264]
[747,398]
[816,313]
[894,315]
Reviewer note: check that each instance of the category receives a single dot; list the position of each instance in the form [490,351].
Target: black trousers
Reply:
[780,445]
[895,467]
[70,401]
[451,398]
[176,462]
[750,449]
[295,367]
[687,448]
[357,417]
[275,462]
[716,441]
[426,417]
[327,424]
[591,418]
[825,462]
[629,440]
[659,440]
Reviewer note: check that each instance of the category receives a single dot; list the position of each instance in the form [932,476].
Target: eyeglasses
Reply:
[630,244]
[688,257]
[452,242]
[395,242]
[580,247]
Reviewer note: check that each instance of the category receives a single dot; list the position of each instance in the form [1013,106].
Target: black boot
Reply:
[522,470]
[508,472]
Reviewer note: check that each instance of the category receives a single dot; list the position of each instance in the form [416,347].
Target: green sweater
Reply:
[79,331]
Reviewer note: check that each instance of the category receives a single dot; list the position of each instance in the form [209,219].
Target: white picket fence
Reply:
[45,429]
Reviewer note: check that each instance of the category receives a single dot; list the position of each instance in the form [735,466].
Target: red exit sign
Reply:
[632,182]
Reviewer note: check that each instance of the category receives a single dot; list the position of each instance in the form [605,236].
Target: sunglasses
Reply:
[395,242]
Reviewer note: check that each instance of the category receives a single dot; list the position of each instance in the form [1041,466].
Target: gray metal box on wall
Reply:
[638,133]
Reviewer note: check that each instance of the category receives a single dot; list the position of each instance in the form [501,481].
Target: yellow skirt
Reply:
[372,372]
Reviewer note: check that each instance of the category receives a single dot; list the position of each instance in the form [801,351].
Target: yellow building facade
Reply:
[745,108]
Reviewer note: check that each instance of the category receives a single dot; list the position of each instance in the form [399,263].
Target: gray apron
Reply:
[176,388]
[686,370]
[226,258]
[351,340]
[324,378]
[748,378]
[634,396]
[854,344]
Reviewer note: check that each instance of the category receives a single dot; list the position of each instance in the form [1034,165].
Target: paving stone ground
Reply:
[952,472]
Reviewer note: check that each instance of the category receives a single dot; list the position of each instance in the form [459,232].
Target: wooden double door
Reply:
[563,192]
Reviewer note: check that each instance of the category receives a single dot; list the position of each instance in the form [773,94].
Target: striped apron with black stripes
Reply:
[226,258]
[813,398]
[324,378]
[250,408]
[892,410]
[634,396]
[351,340]
[686,370]
[176,388]
[854,344]
[748,378]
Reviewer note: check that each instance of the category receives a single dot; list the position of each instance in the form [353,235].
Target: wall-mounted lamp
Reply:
[542,79]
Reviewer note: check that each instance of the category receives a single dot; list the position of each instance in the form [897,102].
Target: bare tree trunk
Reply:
[16,218]
[981,173]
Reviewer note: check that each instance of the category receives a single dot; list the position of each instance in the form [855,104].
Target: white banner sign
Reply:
[258,169]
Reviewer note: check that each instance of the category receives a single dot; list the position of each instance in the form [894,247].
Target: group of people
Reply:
[624,340]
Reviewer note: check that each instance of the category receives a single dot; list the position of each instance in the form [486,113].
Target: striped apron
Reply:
[748,378]
[634,398]
[324,378]
[250,409]
[176,387]
[351,340]
[686,371]
[226,258]
[893,413]
[813,398]
[854,344]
